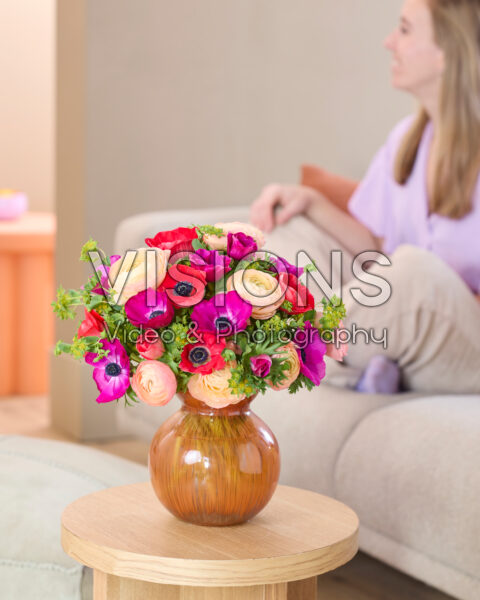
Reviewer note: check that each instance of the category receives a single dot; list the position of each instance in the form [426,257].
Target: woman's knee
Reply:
[417,265]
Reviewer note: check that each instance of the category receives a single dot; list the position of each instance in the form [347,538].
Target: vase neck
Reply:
[192,404]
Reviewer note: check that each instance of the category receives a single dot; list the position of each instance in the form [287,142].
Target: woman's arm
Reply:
[277,204]
[337,221]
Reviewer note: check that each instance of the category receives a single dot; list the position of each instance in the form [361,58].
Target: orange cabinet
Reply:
[26,291]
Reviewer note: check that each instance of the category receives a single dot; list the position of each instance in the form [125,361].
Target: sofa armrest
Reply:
[132,231]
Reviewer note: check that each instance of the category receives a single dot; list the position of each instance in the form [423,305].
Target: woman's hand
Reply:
[291,199]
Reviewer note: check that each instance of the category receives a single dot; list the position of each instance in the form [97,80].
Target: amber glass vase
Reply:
[214,466]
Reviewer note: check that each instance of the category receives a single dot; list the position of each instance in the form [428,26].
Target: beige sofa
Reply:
[407,464]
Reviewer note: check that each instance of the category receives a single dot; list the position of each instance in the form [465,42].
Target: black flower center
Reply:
[183,288]
[223,324]
[156,313]
[113,370]
[199,355]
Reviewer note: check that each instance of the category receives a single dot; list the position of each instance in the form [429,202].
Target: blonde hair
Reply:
[456,169]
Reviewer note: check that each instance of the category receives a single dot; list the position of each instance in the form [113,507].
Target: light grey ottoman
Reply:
[38,478]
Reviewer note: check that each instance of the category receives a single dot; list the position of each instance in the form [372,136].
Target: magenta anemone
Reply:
[224,314]
[150,308]
[111,373]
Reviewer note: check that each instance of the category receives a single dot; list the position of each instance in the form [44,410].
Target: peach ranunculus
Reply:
[134,275]
[213,389]
[293,366]
[263,291]
[220,243]
[154,383]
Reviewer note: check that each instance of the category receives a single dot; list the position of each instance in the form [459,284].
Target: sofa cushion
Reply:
[38,479]
[410,471]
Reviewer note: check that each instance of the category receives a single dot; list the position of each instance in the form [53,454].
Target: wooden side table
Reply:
[27,289]
[138,550]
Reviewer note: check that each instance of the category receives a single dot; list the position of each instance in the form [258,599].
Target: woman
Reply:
[419,202]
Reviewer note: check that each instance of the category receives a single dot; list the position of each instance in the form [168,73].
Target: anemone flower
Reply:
[111,373]
[211,262]
[158,315]
[224,314]
[185,286]
[204,356]
[92,325]
[311,351]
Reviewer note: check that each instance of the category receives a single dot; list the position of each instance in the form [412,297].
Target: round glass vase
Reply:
[214,466]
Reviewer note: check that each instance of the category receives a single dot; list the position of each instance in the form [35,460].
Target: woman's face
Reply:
[417,61]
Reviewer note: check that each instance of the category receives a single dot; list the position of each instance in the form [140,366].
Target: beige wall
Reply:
[27,99]
[202,103]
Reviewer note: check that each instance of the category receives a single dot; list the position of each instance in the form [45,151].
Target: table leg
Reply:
[111,587]
[304,589]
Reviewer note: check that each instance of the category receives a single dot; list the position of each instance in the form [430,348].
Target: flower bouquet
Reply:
[204,313]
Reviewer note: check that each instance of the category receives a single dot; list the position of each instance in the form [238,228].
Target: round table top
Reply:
[126,531]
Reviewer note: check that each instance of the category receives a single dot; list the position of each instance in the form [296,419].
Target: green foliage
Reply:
[208,230]
[66,302]
[333,312]
[90,246]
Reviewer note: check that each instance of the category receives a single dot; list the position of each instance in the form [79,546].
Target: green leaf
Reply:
[197,244]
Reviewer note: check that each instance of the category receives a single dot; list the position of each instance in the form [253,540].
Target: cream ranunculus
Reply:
[135,278]
[213,389]
[293,363]
[263,291]
[220,243]
[154,382]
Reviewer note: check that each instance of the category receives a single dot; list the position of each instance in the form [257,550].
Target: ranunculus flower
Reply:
[224,314]
[263,291]
[261,365]
[211,262]
[213,389]
[149,345]
[311,351]
[290,354]
[296,293]
[175,240]
[185,286]
[154,383]
[111,373]
[337,349]
[239,245]
[93,324]
[204,356]
[136,277]
[220,242]
[139,313]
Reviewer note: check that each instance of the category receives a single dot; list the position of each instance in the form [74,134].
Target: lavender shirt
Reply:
[399,213]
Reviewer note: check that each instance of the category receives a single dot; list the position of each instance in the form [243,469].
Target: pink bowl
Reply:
[12,204]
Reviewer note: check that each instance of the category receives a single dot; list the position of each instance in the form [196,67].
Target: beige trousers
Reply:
[430,324]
